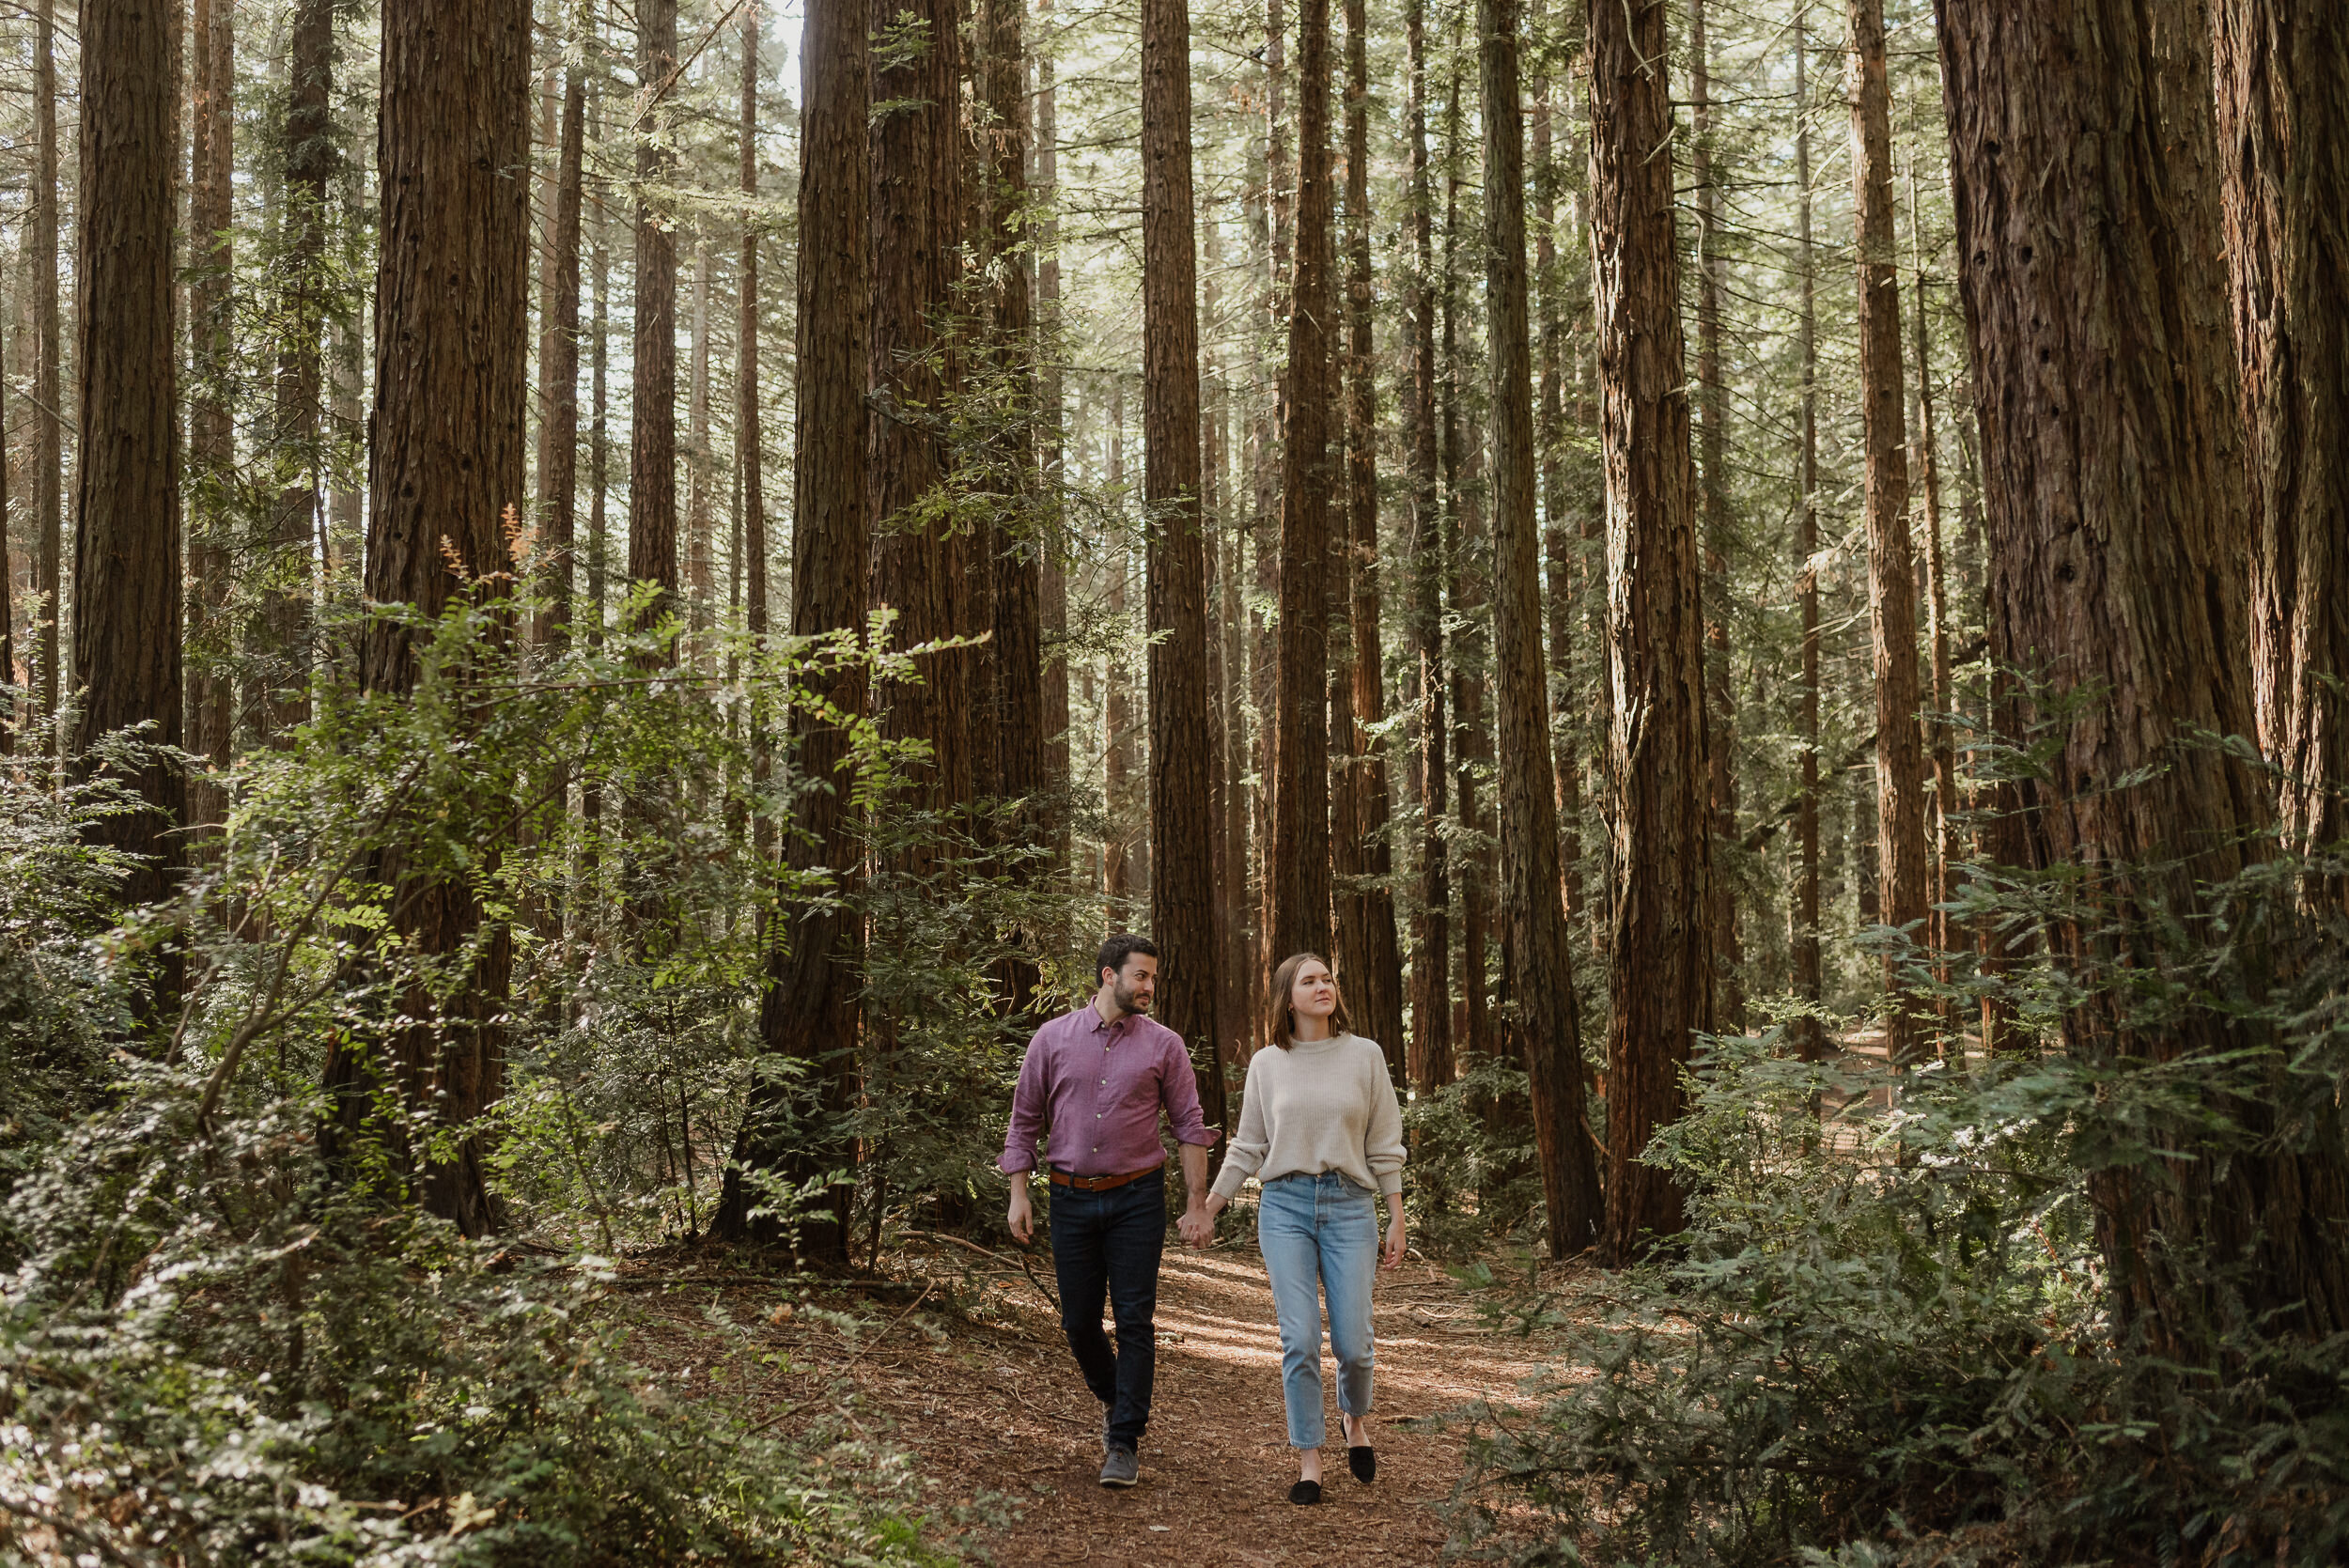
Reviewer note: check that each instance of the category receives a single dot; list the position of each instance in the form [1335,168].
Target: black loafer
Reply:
[1363,1461]
[1305,1492]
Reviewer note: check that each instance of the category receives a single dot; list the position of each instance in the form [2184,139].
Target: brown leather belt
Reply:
[1102,1183]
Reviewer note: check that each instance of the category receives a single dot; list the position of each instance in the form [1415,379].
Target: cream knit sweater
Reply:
[1320,1105]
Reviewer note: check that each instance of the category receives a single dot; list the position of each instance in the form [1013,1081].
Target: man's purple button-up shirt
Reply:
[1098,1088]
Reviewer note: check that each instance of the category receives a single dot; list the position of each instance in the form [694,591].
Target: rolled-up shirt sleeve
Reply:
[1027,1112]
[1179,1091]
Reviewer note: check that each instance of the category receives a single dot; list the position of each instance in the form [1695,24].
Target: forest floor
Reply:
[1005,1437]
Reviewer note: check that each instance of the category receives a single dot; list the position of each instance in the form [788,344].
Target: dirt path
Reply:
[1003,1410]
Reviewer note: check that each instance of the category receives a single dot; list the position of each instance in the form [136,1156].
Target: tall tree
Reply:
[915,239]
[445,464]
[1943,745]
[211,458]
[1182,832]
[652,439]
[1713,505]
[558,363]
[1368,929]
[1559,545]
[1053,585]
[1300,752]
[9,718]
[40,240]
[2082,160]
[1659,954]
[1431,933]
[1538,976]
[312,161]
[125,549]
[1017,610]
[809,1011]
[700,502]
[1891,559]
[748,454]
[1809,1034]
[2283,120]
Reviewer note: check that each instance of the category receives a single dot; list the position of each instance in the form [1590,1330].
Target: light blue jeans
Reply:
[1319,1235]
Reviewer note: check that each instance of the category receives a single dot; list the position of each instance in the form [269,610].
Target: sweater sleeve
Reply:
[1382,1142]
[1243,1157]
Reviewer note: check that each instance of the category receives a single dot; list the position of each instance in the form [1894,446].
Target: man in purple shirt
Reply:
[1092,1085]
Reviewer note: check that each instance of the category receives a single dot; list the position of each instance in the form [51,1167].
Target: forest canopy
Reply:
[597,622]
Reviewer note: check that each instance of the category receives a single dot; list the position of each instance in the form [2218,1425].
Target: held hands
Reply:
[1197,1224]
[1023,1216]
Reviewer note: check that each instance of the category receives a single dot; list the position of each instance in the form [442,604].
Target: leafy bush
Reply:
[1885,1340]
[213,1348]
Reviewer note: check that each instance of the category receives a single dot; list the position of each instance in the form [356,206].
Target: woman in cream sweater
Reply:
[1320,1128]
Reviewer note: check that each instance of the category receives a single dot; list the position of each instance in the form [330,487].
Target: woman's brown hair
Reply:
[1277,1020]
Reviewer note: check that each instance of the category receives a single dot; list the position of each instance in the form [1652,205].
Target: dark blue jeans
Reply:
[1108,1244]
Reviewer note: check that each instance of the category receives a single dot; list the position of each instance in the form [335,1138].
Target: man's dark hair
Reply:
[1117,950]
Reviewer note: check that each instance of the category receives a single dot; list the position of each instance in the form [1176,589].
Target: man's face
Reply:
[1133,988]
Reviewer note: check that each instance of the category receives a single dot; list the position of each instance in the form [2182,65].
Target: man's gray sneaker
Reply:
[1120,1468]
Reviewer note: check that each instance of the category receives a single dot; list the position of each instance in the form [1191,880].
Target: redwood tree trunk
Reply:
[1376,988]
[1537,974]
[312,160]
[451,336]
[1431,935]
[747,436]
[652,441]
[1300,753]
[1713,503]
[1182,831]
[1659,954]
[809,1013]
[2082,154]
[125,549]
[2283,114]
[40,246]
[1810,1034]
[1892,561]
[211,435]
[558,365]
[915,239]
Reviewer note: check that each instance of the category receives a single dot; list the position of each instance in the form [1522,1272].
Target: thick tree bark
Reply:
[1301,755]
[2082,156]
[1182,833]
[1659,957]
[1431,1060]
[652,439]
[1053,589]
[2283,114]
[1376,987]
[1891,560]
[125,549]
[312,160]
[40,244]
[558,367]
[919,557]
[810,1013]
[451,334]
[1713,505]
[1537,975]
[1810,1034]
[1018,624]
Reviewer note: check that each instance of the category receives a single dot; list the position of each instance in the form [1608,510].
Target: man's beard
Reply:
[1127,1002]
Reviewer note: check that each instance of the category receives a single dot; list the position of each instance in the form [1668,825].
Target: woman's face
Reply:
[1313,994]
